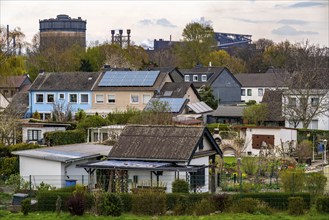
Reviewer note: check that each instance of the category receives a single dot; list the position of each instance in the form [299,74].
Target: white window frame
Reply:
[76,98]
[131,100]
[195,78]
[146,100]
[204,78]
[36,99]
[260,92]
[108,98]
[47,97]
[80,96]
[243,92]
[187,78]
[59,96]
[248,92]
[99,101]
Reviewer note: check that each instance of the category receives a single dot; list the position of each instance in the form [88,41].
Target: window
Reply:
[134,99]
[249,93]
[111,99]
[61,96]
[314,102]
[146,99]
[84,98]
[198,178]
[99,98]
[33,135]
[50,98]
[195,78]
[39,98]
[73,98]
[291,101]
[204,78]
[187,78]
[243,92]
[260,92]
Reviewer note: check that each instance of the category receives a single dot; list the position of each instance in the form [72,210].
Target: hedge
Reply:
[64,137]
[322,204]
[173,199]
[221,127]
[47,200]
[276,200]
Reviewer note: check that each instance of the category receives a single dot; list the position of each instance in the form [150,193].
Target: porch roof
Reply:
[139,165]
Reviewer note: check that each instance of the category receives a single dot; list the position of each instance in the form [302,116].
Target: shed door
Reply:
[258,139]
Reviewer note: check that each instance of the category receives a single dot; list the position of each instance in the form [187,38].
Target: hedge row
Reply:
[47,200]
[64,137]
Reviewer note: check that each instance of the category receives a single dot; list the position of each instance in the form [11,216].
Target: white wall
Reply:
[42,129]
[203,161]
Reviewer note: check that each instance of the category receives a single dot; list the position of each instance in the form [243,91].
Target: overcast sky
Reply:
[278,20]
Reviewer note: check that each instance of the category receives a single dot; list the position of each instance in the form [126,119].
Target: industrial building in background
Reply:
[120,39]
[62,32]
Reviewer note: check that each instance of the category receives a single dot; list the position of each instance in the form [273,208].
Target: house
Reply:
[147,155]
[264,138]
[273,100]
[10,85]
[225,86]
[63,90]
[56,165]
[34,132]
[122,90]
[253,85]
[226,115]
[3,102]
[104,133]
[19,105]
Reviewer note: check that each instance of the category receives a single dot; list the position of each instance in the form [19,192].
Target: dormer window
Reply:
[204,78]
[195,78]
[187,78]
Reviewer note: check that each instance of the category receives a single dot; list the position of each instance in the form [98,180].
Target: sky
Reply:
[280,20]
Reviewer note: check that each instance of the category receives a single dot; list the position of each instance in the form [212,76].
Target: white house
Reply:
[57,165]
[3,102]
[104,133]
[260,137]
[147,155]
[254,84]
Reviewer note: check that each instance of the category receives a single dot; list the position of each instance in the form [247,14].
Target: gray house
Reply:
[225,86]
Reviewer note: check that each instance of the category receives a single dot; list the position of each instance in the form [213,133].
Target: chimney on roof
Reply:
[41,72]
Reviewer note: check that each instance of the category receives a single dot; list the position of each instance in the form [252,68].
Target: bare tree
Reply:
[62,112]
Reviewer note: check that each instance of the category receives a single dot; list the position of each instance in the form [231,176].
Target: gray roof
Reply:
[19,104]
[176,105]
[67,153]
[228,111]
[159,143]
[65,81]
[176,90]
[261,79]
[199,107]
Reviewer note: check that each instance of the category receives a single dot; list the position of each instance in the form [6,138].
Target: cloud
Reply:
[288,30]
[292,21]
[306,4]
[202,20]
[161,22]
[248,20]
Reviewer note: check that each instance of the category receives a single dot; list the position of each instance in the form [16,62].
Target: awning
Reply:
[199,107]
[139,165]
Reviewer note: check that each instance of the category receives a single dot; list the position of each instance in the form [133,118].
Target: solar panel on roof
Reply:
[175,104]
[129,78]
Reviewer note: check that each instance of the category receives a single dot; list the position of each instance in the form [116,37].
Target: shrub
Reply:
[149,203]
[315,183]
[76,204]
[322,204]
[45,187]
[182,203]
[9,166]
[222,201]
[204,207]
[296,205]
[26,206]
[180,186]
[64,137]
[292,180]
[47,200]
[249,165]
[126,199]
[248,205]
[111,204]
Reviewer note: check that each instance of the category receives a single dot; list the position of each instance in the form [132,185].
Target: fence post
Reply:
[293,183]
[30,179]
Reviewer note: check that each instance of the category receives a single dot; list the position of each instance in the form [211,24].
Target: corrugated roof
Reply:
[157,143]
[199,107]
[228,111]
[67,153]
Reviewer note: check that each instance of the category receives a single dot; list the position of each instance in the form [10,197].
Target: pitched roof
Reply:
[19,104]
[13,81]
[157,84]
[158,143]
[228,111]
[65,81]
[176,105]
[261,79]
[176,90]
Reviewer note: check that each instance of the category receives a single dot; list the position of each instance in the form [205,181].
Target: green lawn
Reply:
[224,216]
[229,159]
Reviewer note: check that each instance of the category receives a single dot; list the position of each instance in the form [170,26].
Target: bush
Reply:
[204,207]
[250,165]
[315,183]
[126,199]
[245,205]
[111,204]
[149,203]
[47,200]
[322,204]
[292,180]
[296,205]
[180,186]
[222,201]
[76,204]
[64,137]
[26,206]
[182,203]
[9,166]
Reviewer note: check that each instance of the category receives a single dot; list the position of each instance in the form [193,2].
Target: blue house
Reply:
[225,86]
[68,89]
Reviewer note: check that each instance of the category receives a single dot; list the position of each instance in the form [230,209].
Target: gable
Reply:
[226,79]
